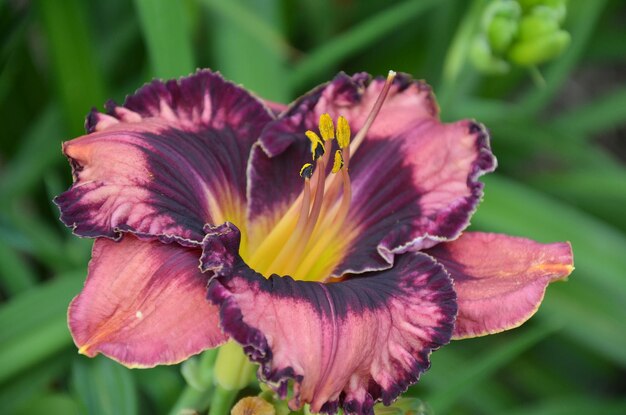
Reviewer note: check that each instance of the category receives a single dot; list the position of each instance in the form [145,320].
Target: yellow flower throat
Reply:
[312,237]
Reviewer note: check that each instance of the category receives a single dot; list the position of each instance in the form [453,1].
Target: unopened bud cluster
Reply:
[520,32]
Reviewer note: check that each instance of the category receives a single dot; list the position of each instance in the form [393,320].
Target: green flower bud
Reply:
[501,32]
[500,22]
[232,369]
[539,50]
[483,59]
[557,7]
[537,25]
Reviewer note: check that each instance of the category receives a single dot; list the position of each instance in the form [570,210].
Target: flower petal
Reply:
[414,179]
[143,304]
[173,158]
[349,343]
[500,280]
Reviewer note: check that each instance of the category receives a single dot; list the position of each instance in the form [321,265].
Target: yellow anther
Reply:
[338,163]
[317,145]
[327,128]
[306,171]
[343,132]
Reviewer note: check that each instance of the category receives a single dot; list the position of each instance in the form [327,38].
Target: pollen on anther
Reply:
[306,171]
[327,128]
[343,132]
[338,161]
[317,145]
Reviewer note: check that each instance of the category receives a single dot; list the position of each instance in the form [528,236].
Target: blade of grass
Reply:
[78,80]
[104,387]
[15,274]
[601,193]
[235,49]
[42,329]
[50,404]
[325,57]
[168,38]
[574,405]
[597,116]
[39,150]
[44,242]
[23,388]
[247,20]
[481,367]
[598,325]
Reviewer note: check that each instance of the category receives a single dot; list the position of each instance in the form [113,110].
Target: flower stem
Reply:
[222,400]
[196,395]
[232,370]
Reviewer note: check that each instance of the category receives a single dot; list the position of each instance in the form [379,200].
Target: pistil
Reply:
[323,205]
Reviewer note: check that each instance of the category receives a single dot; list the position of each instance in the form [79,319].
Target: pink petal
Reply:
[144,304]
[349,343]
[500,280]
[414,179]
[173,158]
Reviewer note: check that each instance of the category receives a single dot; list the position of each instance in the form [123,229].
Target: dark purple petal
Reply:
[143,304]
[500,280]
[347,344]
[414,179]
[173,158]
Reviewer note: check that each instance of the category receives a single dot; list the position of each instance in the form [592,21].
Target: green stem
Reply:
[222,400]
[198,396]
[457,52]
[232,369]
[538,79]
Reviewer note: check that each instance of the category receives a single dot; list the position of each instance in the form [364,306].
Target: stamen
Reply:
[335,225]
[318,231]
[317,145]
[293,249]
[327,128]
[343,132]
[358,139]
[306,171]
[338,162]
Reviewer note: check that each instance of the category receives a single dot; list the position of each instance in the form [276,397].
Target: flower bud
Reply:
[500,23]
[484,60]
[541,50]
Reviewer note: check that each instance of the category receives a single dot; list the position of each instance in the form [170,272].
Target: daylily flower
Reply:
[343,281]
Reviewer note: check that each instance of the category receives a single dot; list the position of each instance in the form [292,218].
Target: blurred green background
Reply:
[561,149]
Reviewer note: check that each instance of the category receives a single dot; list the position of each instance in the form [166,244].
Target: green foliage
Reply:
[561,175]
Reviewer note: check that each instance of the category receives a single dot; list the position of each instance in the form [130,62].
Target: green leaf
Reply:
[248,17]
[327,56]
[481,367]
[574,405]
[104,387]
[168,38]
[34,324]
[245,56]
[23,388]
[15,274]
[597,192]
[79,82]
[51,404]
[596,116]
[40,148]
